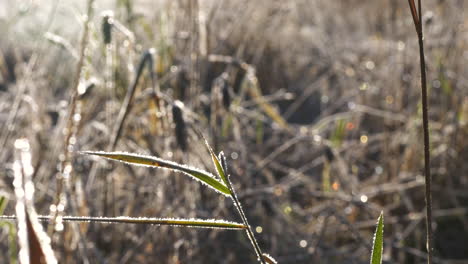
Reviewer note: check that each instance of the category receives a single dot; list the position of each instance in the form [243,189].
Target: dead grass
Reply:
[351,147]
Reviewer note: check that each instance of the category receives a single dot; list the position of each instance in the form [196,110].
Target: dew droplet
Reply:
[59,226]
[364,139]
[370,65]
[303,243]
[234,155]
[364,86]
[317,138]
[378,170]
[364,198]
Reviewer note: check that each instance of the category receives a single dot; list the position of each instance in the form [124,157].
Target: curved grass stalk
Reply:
[149,161]
[146,58]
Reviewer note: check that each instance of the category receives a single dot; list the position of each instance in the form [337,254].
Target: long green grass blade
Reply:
[149,161]
[377,247]
[178,222]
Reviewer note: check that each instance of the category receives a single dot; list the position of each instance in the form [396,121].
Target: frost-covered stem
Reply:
[71,124]
[238,206]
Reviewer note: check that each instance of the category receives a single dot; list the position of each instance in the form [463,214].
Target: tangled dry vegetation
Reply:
[315,103]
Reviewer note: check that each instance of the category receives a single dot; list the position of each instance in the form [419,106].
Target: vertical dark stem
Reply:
[427,154]
[248,230]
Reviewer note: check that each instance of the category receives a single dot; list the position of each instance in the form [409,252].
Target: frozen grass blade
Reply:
[61,42]
[377,247]
[250,234]
[20,208]
[269,259]
[216,162]
[176,222]
[142,160]
[34,244]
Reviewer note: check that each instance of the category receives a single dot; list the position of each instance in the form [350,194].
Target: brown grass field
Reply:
[316,105]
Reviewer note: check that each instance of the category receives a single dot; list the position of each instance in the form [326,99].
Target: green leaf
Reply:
[377,247]
[149,161]
[217,164]
[3,203]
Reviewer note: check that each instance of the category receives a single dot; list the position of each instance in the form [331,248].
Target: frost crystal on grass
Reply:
[177,222]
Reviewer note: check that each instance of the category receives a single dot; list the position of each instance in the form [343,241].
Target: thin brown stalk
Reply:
[71,125]
[417,19]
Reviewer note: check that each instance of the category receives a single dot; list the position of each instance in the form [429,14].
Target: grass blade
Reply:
[3,203]
[255,92]
[11,231]
[219,168]
[377,247]
[34,244]
[216,162]
[177,222]
[269,259]
[149,161]
[250,234]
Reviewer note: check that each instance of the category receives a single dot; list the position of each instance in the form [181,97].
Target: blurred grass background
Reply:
[321,124]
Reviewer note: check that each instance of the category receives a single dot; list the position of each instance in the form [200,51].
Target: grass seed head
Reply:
[180,127]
